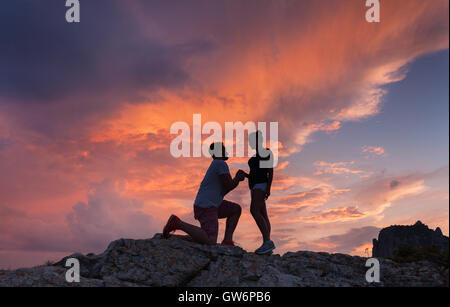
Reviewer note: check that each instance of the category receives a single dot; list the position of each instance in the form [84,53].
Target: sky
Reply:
[86,110]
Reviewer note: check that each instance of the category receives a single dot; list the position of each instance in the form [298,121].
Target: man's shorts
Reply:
[209,217]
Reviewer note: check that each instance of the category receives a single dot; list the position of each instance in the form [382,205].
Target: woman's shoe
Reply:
[266,248]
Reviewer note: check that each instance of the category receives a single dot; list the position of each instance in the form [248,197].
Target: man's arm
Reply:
[231,183]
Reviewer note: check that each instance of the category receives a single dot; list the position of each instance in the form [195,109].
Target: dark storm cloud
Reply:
[43,58]
[88,67]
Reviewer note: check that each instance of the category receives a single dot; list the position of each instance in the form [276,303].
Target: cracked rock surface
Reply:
[180,262]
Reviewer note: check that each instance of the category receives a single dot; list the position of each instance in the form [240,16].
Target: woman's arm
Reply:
[269,182]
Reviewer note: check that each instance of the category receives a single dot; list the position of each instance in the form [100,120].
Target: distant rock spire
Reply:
[417,235]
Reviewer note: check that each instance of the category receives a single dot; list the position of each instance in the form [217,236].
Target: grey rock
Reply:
[181,262]
[43,276]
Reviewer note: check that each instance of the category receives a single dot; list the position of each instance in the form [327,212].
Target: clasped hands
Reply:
[241,175]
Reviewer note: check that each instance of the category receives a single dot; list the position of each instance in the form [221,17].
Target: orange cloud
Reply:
[364,250]
[309,66]
[282,165]
[338,168]
[375,196]
[286,71]
[307,199]
[330,215]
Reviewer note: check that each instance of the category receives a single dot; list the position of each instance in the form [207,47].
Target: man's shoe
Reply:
[266,248]
[229,243]
[170,226]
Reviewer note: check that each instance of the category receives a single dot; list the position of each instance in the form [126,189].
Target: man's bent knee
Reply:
[237,209]
[228,209]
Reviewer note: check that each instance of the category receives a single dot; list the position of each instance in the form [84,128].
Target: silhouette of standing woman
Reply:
[260,182]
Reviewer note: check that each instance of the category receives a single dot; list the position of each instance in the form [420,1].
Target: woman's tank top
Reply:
[257,174]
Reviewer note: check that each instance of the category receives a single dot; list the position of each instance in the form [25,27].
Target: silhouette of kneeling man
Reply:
[209,205]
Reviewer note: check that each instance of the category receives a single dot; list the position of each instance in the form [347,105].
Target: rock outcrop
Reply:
[179,262]
[417,235]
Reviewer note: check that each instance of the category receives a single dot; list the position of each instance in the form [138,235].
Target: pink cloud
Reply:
[374,196]
[307,199]
[278,68]
[339,168]
[355,241]
[330,215]
[371,151]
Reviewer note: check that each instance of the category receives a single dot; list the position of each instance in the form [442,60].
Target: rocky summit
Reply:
[180,262]
[417,235]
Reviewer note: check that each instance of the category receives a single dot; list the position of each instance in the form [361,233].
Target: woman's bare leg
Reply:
[266,217]
[256,209]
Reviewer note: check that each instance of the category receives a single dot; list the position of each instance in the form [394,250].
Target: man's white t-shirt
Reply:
[211,191]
